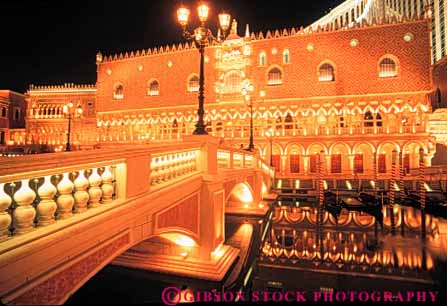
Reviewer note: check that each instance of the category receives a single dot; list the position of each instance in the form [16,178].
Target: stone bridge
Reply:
[64,216]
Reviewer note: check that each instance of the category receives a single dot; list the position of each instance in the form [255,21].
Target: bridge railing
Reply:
[37,191]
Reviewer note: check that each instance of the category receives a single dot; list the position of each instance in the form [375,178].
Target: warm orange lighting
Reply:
[183,16]
[262,94]
[179,239]
[243,194]
[203,11]
[224,20]
[218,252]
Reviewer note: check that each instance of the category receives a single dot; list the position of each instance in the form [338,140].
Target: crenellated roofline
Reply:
[262,35]
[62,88]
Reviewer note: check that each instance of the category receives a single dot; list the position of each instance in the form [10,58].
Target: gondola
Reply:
[433,205]
[364,203]
[332,204]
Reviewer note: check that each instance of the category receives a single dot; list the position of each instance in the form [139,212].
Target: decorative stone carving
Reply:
[107,186]
[5,217]
[24,213]
[47,206]
[81,195]
[94,191]
[65,201]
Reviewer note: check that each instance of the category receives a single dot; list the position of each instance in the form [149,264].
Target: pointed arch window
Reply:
[153,88]
[118,93]
[193,84]
[368,119]
[379,120]
[175,127]
[387,68]
[286,56]
[326,73]
[274,76]
[288,122]
[262,59]
[278,123]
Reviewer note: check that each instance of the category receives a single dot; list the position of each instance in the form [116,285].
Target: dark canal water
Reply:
[322,255]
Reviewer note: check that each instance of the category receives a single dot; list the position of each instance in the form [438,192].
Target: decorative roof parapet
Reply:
[269,34]
[65,87]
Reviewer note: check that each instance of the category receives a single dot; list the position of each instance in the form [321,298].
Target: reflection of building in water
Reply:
[347,244]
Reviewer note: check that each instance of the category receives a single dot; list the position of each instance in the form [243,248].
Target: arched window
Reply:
[278,124]
[3,112]
[262,59]
[153,88]
[274,76]
[387,68]
[368,119]
[118,93]
[288,122]
[379,120]
[326,73]
[232,82]
[175,127]
[352,15]
[286,56]
[193,84]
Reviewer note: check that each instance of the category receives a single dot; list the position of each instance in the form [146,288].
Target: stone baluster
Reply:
[81,195]
[154,171]
[107,185]
[183,164]
[24,213]
[165,168]
[5,217]
[94,191]
[65,201]
[47,206]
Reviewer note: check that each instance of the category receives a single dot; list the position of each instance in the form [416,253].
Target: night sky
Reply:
[47,42]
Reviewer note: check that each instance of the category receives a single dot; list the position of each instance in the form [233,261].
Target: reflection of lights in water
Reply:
[279,184]
[349,185]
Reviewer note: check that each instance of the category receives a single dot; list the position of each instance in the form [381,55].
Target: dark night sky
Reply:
[47,42]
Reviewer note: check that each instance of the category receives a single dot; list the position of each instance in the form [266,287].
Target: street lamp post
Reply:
[202,37]
[246,90]
[270,137]
[70,112]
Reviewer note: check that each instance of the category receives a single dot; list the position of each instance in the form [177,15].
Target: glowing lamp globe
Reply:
[183,16]
[203,11]
[80,110]
[224,20]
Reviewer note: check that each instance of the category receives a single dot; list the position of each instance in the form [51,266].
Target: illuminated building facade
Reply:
[372,11]
[12,118]
[357,94]
[46,122]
